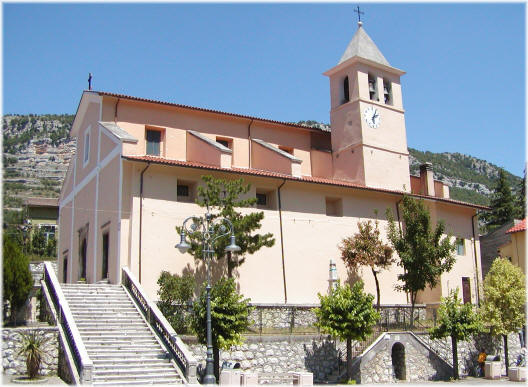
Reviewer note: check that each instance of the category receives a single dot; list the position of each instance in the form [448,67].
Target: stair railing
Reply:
[64,318]
[159,323]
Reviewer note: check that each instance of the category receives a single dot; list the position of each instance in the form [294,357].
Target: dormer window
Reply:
[286,149]
[227,142]
[373,87]
[346,90]
[387,91]
[153,142]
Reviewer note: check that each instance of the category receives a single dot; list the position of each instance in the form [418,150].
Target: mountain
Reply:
[37,150]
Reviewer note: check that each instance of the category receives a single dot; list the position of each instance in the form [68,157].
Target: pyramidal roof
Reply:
[362,45]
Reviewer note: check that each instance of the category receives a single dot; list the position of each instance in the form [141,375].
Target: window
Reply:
[460,246]
[373,87]
[262,200]
[334,207]
[387,91]
[466,290]
[48,230]
[86,158]
[227,142]
[153,142]
[185,191]
[346,92]
[286,149]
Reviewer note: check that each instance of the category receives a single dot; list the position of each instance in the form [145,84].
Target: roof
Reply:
[119,132]
[306,179]
[42,202]
[123,96]
[363,46]
[521,226]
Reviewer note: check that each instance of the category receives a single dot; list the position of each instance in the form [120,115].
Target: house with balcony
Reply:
[139,162]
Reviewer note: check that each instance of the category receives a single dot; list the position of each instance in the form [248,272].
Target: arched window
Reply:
[387,91]
[346,91]
[373,87]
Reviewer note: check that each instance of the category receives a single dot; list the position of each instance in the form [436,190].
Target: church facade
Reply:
[139,162]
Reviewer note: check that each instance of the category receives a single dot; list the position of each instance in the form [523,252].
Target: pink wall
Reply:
[321,163]
[202,152]
[266,159]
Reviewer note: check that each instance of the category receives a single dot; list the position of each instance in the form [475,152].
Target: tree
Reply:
[423,254]
[175,292]
[221,197]
[347,314]
[504,300]
[365,248]
[18,281]
[456,320]
[229,317]
[501,203]
[38,242]
[520,202]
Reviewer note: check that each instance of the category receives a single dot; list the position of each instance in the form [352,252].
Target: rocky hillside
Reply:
[37,150]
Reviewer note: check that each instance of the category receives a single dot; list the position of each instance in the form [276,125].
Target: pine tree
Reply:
[424,254]
[365,248]
[222,197]
[520,202]
[501,203]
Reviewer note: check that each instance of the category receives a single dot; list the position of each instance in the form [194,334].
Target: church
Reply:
[139,162]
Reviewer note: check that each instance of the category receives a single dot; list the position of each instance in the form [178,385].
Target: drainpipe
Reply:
[282,242]
[141,215]
[249,138]
[115,111]
[398,214]
[475,254]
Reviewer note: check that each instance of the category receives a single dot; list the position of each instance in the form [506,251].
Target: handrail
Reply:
[159,323]
[82,361]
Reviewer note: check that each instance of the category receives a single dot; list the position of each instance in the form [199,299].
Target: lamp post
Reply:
[210,231]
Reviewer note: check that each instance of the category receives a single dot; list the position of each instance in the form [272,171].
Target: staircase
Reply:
[123,348]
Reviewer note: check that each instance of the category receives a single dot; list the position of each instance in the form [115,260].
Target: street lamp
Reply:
[210,231]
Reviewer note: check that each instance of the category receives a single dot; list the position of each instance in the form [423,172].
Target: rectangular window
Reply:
[262,200]
[466,290]
[185,191]
[86,158]
[387,91]
[65,268]
[153,142]
[373,87]
[227,142]
[460,246]
[334,207]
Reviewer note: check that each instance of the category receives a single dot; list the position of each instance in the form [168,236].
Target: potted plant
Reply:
[32,347]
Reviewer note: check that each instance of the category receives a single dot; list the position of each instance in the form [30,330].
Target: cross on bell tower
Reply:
[359,13]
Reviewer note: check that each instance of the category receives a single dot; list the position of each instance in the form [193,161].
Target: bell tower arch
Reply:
[369,140]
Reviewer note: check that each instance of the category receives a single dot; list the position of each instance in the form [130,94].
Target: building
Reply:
[139,162]
[515,248]
[42,214]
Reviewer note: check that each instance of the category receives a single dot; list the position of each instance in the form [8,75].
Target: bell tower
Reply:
[369,141]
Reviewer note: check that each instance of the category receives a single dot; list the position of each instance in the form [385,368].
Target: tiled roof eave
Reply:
[305,179]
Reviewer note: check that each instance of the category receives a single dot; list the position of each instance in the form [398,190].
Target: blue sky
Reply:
[464,90]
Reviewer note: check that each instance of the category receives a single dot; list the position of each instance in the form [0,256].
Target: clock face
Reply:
[372,117]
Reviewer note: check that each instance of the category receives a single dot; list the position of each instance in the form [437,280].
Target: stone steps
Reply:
[118,340]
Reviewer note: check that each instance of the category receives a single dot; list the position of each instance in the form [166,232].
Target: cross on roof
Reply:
[359,12]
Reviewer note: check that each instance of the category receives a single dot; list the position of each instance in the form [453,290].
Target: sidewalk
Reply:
[52,380]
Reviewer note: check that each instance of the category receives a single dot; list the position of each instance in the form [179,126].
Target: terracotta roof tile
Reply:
[42,202]
[104,93]
[521,226]
[307,179]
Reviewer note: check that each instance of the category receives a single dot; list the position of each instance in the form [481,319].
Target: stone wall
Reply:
[14,364]
[309,353]
[411,361]
[469,350]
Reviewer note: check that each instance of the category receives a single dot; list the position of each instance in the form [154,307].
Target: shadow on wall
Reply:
[323,359]
[199,272]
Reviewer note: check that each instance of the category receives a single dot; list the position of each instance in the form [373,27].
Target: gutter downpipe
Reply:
[249,138]
[115,110]
[475,254]
[282,242]
[400,227]
[141,215]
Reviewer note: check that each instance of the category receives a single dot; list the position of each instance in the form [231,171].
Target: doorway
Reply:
[106,239]
[83,247]
[398,361]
